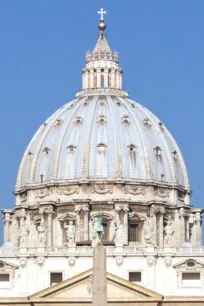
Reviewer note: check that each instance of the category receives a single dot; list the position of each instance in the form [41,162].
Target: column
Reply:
[177,236]
[98,78]
[86,79]
[121,80]
[86,222]
[77,212]
[153,220]
[182,225]
[117,85]
[106,78]
[83,79]
[198,230]
[125,224]
[49,212]
[161,228]
[112,78]
[92,78]
[6,226]
[117,214]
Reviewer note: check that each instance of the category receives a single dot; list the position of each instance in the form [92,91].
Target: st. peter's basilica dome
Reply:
[102,136]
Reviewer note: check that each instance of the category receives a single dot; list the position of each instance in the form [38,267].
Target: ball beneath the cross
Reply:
[102,25]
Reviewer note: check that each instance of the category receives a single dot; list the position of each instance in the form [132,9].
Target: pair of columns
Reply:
[122,209]
[82,211]
[93,78]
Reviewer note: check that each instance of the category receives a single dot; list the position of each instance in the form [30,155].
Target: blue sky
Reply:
[43,45]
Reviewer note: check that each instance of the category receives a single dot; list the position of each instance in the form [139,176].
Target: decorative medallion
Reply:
[23,262]
[71,261]
[135,191]
[42,193]
[102,189]
[68,190]
[119,260]
[162,192]
[168,261]
[40,260]
[151,261]
[23,197]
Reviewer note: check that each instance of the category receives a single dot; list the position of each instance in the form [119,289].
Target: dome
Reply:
[102,137]
[9,245]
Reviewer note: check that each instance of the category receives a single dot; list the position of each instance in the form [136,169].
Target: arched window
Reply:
[109,78]
[95,79]
[102,78]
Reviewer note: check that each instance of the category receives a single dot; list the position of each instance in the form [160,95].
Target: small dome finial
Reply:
[102,25]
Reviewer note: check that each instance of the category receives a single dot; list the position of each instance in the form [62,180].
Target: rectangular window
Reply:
[4,278]
[132,232]
[5,281]
[105,231]
[135,277]
[55,278]
[191,279]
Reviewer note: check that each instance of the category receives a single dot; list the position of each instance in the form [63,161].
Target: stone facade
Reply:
[153,236]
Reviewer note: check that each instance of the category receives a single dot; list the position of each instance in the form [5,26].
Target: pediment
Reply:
[5,266]
[189,264]
[79,288]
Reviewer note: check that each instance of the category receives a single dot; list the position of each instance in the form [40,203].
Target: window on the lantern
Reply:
[102,81]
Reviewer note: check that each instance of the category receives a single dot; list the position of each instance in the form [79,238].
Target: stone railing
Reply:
[102,91]
[87,250]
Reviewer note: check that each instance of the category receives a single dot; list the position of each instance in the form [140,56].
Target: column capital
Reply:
[20,213]
[49,210]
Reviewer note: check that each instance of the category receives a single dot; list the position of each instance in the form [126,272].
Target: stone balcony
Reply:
[111,251]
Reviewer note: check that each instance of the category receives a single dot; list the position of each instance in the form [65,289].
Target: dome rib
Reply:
[117,150]
[58,151]
[124,125]
[143,141]
[168,155]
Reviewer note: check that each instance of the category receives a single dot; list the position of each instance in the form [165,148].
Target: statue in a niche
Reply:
[119,234]
[168,231]
[24,232]
[70,231]
[41,233]
[147,230]
[94,227]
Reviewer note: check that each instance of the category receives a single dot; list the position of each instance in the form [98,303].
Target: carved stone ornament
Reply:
[162,193]
[168,261]
[42,193]
[23,262]
[23,197]
[102,189]
[40,260]
[68,190]
[135,191]
[190,265]
[151,261]
[71,261]
[119,260]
